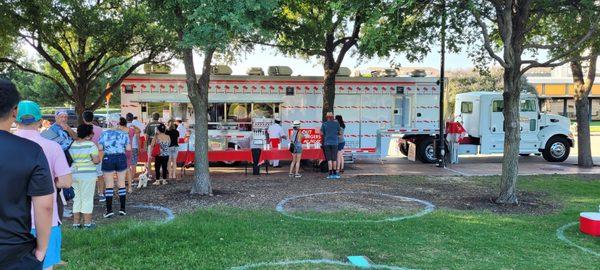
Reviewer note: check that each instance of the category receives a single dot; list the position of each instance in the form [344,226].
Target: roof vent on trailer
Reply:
[343,72]
[256,71]
[418,73]
[220,70]
[280,71]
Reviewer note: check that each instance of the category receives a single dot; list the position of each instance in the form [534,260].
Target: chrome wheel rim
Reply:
[558,150]
[430,152]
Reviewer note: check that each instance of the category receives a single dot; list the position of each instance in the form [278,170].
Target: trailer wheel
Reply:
[426,150]
[557,149]
[403,147]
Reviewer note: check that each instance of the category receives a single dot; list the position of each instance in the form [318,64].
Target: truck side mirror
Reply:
[539,116]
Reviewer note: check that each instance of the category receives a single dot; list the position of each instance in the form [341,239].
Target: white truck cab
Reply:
[480,113]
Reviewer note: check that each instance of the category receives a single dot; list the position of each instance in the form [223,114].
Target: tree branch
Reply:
[54,80]
[39,48]
[535,63]
[487,43]
[575,47]
[117,83]
[350,42]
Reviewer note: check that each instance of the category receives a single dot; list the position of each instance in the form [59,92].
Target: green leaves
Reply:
[224,25]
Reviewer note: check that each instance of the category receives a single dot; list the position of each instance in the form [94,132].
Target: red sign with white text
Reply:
[309,135]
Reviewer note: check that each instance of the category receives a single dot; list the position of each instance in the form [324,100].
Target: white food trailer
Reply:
[378,111]
[382,114]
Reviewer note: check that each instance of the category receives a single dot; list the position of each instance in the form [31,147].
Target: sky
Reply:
[265,57]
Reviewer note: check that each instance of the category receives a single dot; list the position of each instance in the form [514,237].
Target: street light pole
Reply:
[441,140]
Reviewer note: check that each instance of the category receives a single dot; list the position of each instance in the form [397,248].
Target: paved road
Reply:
[477,165]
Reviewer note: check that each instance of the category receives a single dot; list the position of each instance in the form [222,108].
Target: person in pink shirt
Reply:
[28,122]
[88,118]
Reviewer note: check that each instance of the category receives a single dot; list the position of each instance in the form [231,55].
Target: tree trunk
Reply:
[198,93]
[328,92]
[582,109]
[512,137]
[79,109]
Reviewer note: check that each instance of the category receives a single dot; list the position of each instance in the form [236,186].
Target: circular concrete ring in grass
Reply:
[371,202]
[314,264]
[560,233]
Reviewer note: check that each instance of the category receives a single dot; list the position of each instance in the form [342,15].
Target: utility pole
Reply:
[441,140]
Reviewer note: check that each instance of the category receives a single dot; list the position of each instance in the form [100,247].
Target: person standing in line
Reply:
[88,119]
[114,142]
[26,192]
[297,149]
[162,159]
[330,131]
[128,153]
[173,150]
[134,136]
[63,133]
[275,133]
[85,157]
[28,122]
[341,144]
[180,128]
[150,131]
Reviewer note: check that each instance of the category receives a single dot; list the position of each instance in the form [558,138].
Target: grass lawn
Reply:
[595,126]
[224,237]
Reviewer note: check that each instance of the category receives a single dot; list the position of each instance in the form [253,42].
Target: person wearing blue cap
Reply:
[28,121]
[26,184]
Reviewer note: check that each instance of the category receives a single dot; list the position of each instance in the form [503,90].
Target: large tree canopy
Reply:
[84,41]
[558,37]
[330,29]
[212,27]
[510,30]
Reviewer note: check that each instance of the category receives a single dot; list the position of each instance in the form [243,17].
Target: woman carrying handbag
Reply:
[296,149]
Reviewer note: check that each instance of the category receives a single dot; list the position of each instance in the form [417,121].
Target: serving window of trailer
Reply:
[238,115]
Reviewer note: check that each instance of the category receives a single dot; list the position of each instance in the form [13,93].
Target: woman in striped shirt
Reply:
[85,155]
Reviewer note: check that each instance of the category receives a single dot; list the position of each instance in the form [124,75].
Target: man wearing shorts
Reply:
[26,192]
[28,118]
[330,131]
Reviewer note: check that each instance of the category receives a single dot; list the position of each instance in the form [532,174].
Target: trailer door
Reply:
[401,110]
[496,140]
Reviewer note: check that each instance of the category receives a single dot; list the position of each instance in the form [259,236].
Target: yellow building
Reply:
[555,89]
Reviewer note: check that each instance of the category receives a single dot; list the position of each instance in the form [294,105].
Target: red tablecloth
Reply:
[284,154]
[243,155]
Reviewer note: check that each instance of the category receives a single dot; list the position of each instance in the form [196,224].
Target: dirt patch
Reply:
[347,202]
[232,188]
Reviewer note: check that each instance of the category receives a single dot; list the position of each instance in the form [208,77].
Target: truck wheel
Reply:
[403,147]
[557,149]
[426,150]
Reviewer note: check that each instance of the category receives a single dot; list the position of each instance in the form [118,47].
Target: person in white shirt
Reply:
[275,133]
[181,128]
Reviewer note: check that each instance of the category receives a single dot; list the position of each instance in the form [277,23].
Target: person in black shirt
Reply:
[25,179]
[173,150]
